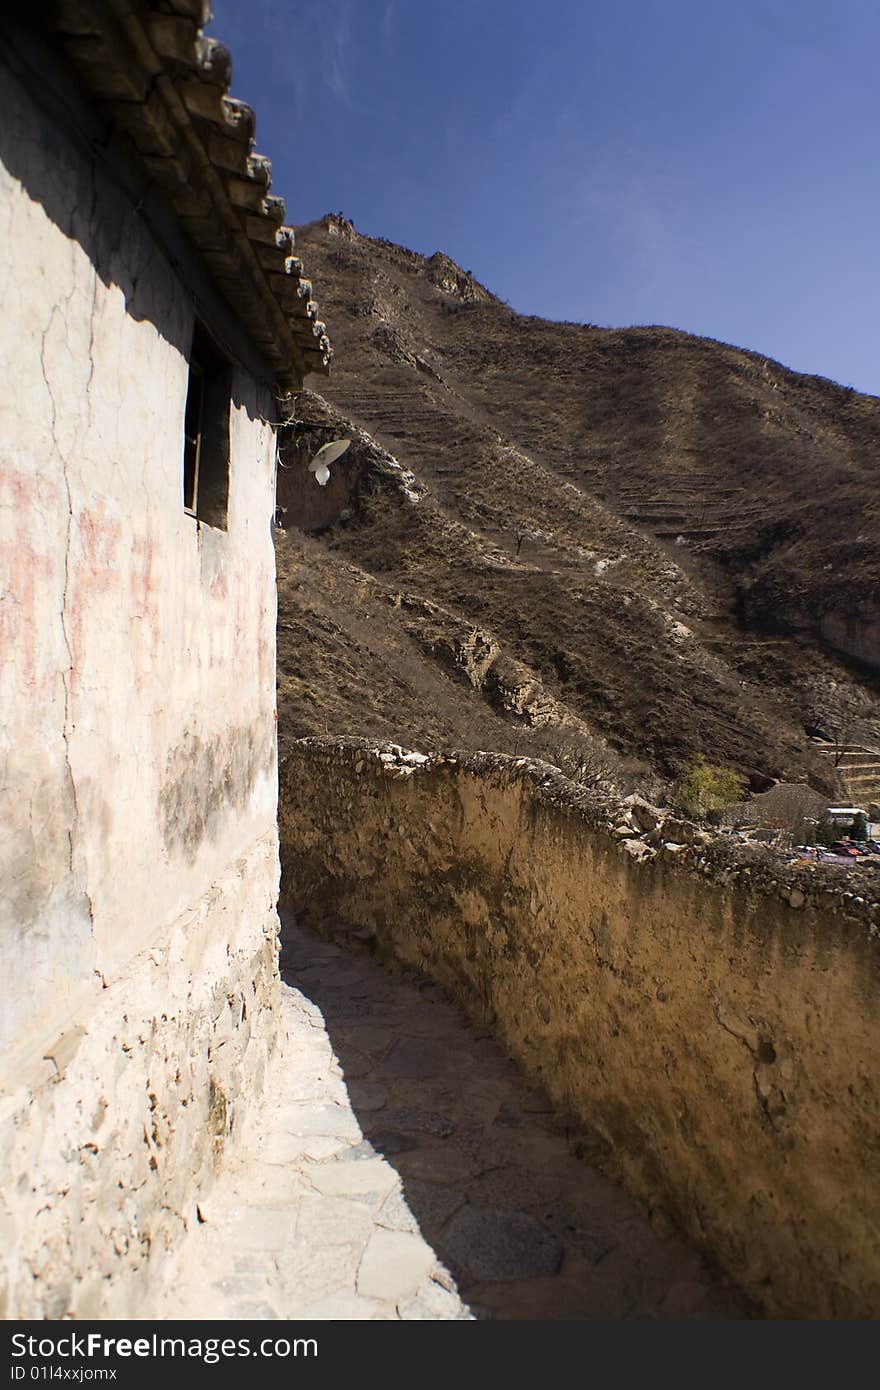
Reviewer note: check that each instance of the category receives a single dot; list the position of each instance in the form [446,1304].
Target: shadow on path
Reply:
[491,1177]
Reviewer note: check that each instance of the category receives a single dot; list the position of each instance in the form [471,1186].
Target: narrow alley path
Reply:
[402,1168]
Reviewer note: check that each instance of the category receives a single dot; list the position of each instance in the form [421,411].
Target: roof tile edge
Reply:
[165,84]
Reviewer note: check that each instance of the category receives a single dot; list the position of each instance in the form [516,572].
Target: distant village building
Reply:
[152,316]
[848,817]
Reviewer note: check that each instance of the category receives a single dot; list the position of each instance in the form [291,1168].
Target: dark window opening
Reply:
[206,432]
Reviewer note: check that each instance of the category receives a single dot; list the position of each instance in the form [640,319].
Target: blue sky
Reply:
[705,164]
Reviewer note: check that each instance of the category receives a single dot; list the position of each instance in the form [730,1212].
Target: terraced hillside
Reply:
[605,544]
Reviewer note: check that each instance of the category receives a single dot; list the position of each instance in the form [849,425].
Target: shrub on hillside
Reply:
[583,759]
[859,828]
[816,832]
[706,788]
[589,761]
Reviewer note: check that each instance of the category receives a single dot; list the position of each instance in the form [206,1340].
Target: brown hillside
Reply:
[551,537]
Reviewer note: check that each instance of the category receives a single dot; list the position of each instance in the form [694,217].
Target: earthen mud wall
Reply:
[711,1013]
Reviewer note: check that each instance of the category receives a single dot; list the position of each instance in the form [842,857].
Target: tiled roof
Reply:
[150,66]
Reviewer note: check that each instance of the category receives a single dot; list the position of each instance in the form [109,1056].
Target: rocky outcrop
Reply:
[855,635]
[706,1007]
[450,279]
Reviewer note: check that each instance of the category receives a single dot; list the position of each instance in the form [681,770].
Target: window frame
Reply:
[206,431]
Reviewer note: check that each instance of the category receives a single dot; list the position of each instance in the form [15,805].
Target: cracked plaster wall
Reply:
[138,773]
[716,1030]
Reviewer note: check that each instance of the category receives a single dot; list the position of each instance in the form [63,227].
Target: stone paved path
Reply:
[402,1168]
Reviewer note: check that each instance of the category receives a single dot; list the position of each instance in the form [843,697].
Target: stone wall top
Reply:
[634,829]
[165,87]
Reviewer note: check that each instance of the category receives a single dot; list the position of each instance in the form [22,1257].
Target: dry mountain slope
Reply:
[545,527]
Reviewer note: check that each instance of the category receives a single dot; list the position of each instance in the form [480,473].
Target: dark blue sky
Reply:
[705,164]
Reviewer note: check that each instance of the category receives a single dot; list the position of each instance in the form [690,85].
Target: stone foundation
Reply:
[710,1013]
[111,1139]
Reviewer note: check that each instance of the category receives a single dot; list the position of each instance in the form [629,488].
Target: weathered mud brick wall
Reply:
[138,779]
[711,1012]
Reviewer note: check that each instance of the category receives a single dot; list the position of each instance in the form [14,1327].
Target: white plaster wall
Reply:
[137,647]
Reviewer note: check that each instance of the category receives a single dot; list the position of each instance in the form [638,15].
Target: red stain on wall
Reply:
[94,570]
[219,588]
[31,579]
[144,622]
[99,537]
